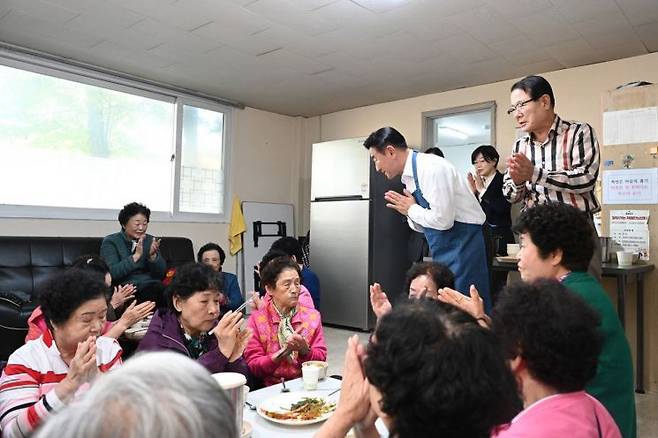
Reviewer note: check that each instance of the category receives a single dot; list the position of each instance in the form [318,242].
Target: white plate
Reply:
[280,402]
[507,259]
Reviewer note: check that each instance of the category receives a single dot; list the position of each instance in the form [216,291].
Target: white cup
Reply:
[624,258]
[234,386]
[513,249]
[310,376]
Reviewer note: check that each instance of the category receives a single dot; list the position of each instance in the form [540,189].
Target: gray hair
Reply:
[159,395]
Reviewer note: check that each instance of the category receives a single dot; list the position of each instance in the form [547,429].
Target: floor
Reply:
[336,339]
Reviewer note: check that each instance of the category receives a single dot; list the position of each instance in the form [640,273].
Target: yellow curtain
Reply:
[236,227]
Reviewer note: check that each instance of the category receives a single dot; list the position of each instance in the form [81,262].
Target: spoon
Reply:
[283,382]
[250,406]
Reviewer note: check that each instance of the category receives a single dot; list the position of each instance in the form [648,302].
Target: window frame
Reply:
[428,118]
[98,78]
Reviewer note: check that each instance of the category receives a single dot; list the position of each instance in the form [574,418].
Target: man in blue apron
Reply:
[437,203]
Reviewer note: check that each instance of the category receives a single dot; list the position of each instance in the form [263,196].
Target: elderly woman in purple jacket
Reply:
[194,297]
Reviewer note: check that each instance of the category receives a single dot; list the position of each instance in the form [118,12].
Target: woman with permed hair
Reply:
[133,313]
[556,243]
[424,280]
[47,373]
[551,339]
[431,371]
[194,299]
[134,256]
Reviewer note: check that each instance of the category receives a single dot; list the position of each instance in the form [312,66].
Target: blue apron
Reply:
[461,248]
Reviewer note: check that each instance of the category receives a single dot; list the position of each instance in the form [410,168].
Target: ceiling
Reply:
[310,57]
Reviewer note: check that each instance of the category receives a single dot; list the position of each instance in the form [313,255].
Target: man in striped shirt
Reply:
[556,161]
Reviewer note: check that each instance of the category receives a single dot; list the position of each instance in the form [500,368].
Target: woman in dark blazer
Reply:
[487,186]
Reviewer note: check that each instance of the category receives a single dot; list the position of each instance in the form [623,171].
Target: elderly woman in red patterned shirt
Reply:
[46,373]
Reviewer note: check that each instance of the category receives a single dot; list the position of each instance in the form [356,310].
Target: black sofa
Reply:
[27,262]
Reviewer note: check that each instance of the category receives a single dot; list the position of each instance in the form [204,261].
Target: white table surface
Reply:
[262,428]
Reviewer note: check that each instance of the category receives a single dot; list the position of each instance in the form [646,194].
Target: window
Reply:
[202,175]
[74,147]
[458,131]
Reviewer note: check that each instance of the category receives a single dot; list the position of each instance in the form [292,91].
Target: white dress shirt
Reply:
[448,194]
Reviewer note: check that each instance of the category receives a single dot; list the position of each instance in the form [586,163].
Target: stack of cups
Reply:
[233,384]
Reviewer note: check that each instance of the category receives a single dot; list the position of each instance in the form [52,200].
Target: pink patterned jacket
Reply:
[264,343]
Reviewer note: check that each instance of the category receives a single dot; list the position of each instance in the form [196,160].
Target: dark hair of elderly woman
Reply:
[131,210]
[66,292]
[46,373]
[436,372]
[553,330]
[194,299]
[431,371]
[93,263]
[95,266]
[286,333]
[134,256]
[426,278]
[214,256]
[190,279]
[551,339]
[271,270]
[120,295]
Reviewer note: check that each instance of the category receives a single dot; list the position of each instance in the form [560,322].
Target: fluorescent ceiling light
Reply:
[452,132]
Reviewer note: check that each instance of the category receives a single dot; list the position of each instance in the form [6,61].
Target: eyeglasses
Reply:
[517,106]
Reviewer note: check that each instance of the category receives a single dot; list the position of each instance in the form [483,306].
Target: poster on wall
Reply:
[630,230]
[630,186]
[637,125]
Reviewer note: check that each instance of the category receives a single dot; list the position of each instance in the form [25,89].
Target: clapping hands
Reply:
[379,301]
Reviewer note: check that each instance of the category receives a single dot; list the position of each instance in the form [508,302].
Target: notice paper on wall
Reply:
[630,186]
[630,230]
[638,125]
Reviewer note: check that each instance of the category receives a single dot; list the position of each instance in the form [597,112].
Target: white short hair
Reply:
[158,395]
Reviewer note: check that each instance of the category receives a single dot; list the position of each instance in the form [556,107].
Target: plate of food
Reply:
[297,408]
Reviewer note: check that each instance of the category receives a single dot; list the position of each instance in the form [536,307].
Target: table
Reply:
[262,428]
[622,274]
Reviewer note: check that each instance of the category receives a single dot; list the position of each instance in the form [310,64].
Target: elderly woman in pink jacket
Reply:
[285,332]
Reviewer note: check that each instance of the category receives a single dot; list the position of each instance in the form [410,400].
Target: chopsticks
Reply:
[239,309]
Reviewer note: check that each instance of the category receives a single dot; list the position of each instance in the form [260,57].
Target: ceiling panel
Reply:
[575,11]
[49,12]
[316,56]
[640,12]
[291,14]
[648,33]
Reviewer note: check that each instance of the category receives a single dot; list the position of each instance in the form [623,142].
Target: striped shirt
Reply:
[566,168]
[27,382]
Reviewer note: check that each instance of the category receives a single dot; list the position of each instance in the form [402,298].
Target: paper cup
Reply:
[310,376]
[322,365]
[234,386]
[624,258]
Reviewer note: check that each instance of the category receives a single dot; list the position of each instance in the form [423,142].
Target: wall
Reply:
[578,93]
[264,165]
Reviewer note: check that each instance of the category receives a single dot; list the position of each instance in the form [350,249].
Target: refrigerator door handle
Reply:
[339,198]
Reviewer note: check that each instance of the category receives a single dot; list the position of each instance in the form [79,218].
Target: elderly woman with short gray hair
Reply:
[161,394]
